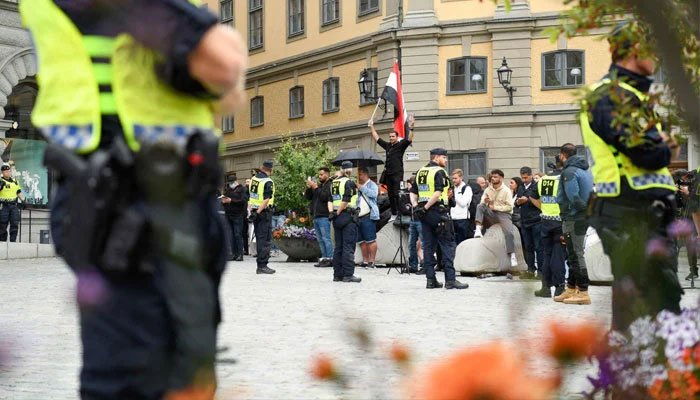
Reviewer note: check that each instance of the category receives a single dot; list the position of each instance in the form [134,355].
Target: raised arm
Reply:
[374,132]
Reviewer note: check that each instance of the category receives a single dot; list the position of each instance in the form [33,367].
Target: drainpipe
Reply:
[400,26]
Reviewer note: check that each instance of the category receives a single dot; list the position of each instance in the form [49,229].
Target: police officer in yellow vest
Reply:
[126,100]
[262,202]
[429,197]
[345,226]
[635,193]
[10,192]
[553,268]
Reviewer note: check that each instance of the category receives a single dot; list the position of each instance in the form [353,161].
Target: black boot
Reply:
[433,284]
[559,290]
[337,279]
[239,258]
[353,279]
[455,284]
[265,270]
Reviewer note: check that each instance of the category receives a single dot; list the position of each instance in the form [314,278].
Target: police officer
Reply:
[126,96]
[553,269]
[635,192]
[430,198]
[10,191]
[262,204]
[345,226]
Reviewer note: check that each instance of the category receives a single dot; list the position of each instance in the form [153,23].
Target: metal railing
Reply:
[34,225]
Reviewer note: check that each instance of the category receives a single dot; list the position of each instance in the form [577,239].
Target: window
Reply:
[547,155]
[372,75]
[472,163]
[466,75]
[331,95]
[257,111]
[227,124]
[330,11]
[296,17]
[226,12]
[367,6]
[296,102]
[562,69]
[255,24]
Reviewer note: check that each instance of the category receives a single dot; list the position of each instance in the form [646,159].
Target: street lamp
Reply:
[576,73]
[365,84]
[504,75]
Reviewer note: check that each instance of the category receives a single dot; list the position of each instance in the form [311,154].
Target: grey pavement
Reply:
[273,325]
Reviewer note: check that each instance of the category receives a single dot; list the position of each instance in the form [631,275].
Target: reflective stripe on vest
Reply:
[609,165]
[178,134]
[100,50]
[9,191]
[425,179]
[548,188]
[338,191]
[257,192]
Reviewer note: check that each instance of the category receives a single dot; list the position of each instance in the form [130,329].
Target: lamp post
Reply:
[504,75]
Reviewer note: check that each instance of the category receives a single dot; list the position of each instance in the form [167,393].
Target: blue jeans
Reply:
[461,230]
[236,224]
[277,221]
[322,226]
[415,231]
[532,238]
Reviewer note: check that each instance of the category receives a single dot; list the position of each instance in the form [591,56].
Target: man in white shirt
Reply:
[462,194]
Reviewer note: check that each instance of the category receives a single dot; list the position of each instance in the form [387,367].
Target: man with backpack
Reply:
[462,194]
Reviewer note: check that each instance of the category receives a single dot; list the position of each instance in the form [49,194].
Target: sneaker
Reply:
[353,279]
[265,270]
[420,271]
[477,233]
[559,290]
[513,260]
[580,298]
[371,265]
[569,292]
[693,275]
[239,258]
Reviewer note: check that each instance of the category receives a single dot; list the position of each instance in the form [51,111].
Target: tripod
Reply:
[400,252]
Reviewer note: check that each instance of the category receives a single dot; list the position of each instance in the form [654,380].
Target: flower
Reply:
[657,247]
[91,289]
[491,371]
[572,342]
[302,220]
[400,354]
[680,228]
[322,368]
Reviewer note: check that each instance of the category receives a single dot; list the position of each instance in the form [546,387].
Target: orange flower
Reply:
[302,220]
[399,353]
[286,221]
[322,368]
[491,371]
[687,356]
[572,342]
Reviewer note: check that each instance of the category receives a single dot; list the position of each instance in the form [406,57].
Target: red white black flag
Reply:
[393,94]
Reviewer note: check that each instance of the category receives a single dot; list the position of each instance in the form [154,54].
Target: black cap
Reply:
[679,173]
[5,167]
[346,165]
[268,164]
[438,151]
[231,178]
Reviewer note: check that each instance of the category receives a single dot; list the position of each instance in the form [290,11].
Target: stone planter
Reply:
[298,249]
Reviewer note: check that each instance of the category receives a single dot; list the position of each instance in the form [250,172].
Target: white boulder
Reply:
[488,254]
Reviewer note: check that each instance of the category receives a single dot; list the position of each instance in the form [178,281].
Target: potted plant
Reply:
[296,160]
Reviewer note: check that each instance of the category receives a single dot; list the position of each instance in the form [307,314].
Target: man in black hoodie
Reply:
[531,222]
[234,202]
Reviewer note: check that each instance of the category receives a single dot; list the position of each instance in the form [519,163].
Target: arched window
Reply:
[19,109]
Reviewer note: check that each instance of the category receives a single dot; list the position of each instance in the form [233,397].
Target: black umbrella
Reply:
[358,157]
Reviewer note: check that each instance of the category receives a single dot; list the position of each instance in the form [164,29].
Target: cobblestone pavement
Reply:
[274,324]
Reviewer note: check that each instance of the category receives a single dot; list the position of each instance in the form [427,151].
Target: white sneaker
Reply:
[513,260]
[477,232]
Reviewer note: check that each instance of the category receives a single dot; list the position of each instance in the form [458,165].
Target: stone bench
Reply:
[14,251]
[488,254]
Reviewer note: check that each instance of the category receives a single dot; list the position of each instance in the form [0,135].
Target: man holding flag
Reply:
[398,143]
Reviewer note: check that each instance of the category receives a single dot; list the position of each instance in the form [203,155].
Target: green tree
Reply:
[296,160]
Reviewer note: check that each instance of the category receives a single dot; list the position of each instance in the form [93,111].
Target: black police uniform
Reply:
[263,228]
[438,231]
[553,267]
[9,213]
[629,223]
[345,229]
[139,342]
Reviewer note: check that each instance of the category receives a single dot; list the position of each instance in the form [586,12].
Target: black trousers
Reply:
[345,231]
[553,268]
[393,185]
[9,213]
[643,258]
[461,230]
[263,237]
[438,236]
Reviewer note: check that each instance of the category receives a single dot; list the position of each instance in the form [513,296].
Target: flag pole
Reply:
[374,112]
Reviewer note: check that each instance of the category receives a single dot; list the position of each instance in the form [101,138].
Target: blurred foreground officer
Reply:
[430,199]
[262,203]
[127,90]
[345,225]
[10,191]
[635,192]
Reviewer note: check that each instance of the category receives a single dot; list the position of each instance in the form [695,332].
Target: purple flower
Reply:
[680,228]
[91,289]
[657,247]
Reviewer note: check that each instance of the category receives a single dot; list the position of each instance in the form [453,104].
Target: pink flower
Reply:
[657,247]
[680,228]
[91,289]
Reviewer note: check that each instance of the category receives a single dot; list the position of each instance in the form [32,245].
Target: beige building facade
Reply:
[306,57]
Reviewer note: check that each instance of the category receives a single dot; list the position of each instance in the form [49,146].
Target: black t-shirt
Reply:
[319,199]
[394,155]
